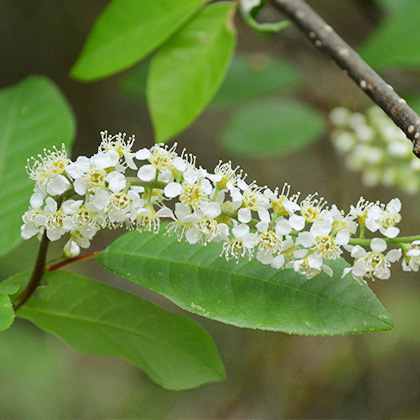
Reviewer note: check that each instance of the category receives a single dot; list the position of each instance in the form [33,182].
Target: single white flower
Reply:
[242,243]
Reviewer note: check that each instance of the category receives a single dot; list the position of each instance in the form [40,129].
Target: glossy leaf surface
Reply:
[128,30]
[33,115]
[247,294]
[97,319]
[187,71]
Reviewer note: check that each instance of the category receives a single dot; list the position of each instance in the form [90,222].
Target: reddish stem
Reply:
[82,257]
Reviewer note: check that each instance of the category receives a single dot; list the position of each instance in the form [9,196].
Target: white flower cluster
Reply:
[278,229]
[373,145]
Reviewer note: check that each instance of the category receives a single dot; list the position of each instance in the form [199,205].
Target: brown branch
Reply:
[326,39]
[36,274]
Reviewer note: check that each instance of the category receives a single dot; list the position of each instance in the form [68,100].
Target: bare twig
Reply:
[326,39]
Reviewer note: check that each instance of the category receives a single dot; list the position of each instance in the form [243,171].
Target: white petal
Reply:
[116,181]
[206,186]
[137,189]
[374,212]
[54,234]
[80,186]
[300,253]
[343,237]
[359,269]
[212,210]
[391,232]
[283,227]
[129,160]
[40,220]
[394,206]
[328,270]
[103,160]
[58,185]
[358,252]
[297,222]
[240,231]
[180,164]
[415,252]
[193,235]
[384,274]
[172,190]
[51,205]
[393,255]
[147,173]
[71,206]
[143,154]
[250,240]
[36,200]
[291,206]
[191,176]
[244,215]
[165,176]
[262,227]
[264,256]
[236,195]
[100,199]
[372,225]
[165,212]
[378,245]
[264,215]
[278,262]
[321,228]
[28,230]
[78,168]
[306,239]
[181,211]
[315,261]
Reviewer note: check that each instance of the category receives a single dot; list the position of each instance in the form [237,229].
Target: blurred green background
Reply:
[269,375]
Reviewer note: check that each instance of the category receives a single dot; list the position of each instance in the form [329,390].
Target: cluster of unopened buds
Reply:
[77,199]
[373,145]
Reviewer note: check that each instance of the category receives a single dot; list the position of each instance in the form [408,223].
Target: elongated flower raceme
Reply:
[77,199]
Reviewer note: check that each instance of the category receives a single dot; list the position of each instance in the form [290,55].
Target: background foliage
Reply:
[335,377]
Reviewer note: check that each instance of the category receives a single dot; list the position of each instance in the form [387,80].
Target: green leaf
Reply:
[8,289]
[255,74]
[128,30]
[33,115]
[134,83]
[187,71]
[249,11]
[271,128]
[97,319]
[247,294]
[7,314]
[395,42]
[392,5]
